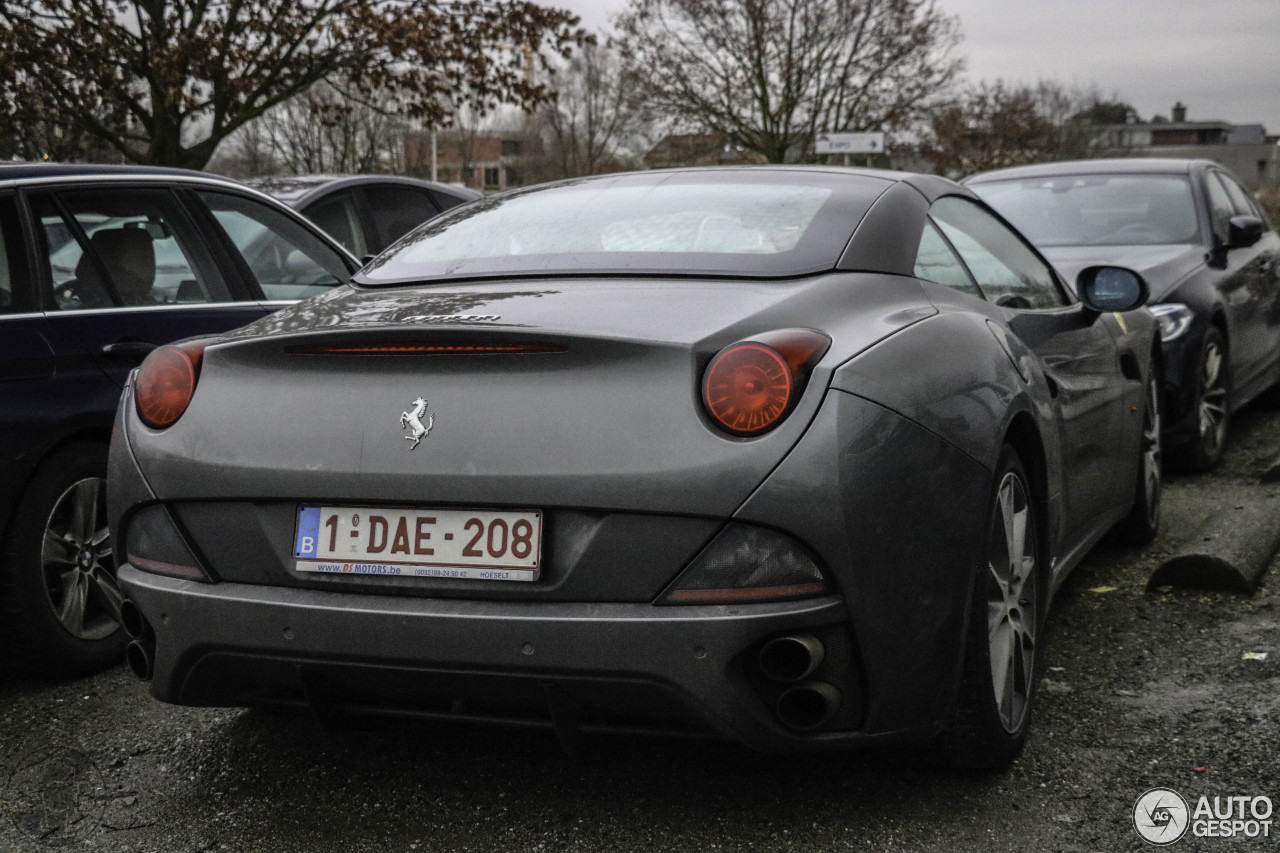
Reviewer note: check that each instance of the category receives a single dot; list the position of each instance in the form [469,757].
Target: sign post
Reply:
[849,143]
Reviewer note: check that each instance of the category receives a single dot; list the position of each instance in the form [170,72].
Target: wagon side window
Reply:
[1005,267]
[14,296]
[936,261]
[123,247]
[284,258]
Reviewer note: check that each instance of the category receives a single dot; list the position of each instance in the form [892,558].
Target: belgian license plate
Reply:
[415,542]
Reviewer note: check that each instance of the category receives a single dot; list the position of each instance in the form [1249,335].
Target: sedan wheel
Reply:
[1213,387]
[1143,521]
[58,570]
[993,707]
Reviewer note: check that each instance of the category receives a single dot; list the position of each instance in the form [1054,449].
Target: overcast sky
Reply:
[1219,57]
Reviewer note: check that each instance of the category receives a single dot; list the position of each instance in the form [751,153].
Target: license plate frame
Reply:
[418,542]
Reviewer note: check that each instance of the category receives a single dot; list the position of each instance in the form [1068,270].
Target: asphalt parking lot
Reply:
[1170,688]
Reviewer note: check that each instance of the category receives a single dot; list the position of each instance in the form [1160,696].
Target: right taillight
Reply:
[749,386]
[166,382]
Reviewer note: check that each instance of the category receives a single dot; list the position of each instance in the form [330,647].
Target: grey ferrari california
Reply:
[793,455]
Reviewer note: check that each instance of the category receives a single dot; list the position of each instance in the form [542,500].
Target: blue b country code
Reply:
[308,532]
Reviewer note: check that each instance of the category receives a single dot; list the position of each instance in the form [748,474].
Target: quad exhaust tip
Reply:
[809,706]
[791,658]
[139,659]
[132,620]
[141,651]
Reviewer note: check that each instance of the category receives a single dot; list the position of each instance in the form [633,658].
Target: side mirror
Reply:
[1107,289]
[1244,231]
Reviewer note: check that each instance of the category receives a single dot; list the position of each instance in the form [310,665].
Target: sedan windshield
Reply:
[1097,210]
[730,222]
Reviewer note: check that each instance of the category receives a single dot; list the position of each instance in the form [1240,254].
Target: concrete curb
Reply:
[1229,551]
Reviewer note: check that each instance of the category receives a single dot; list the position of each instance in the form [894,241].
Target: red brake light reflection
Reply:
[747,388]
[166,382]
[423,348]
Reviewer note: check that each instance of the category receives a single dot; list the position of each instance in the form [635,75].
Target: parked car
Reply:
[798,455]
[1206,249]
[99,266]
[365,213]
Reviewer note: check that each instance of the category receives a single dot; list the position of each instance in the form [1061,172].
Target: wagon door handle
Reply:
[136,349]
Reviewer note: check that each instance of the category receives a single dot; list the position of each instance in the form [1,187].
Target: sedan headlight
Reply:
[1174,319]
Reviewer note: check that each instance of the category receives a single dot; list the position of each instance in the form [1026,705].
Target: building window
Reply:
[491,176]
[511,148]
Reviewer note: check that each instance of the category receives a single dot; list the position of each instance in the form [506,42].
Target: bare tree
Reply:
[185,74]
[995,125]
[989,127]
[1078,114]
[591,120]
[770,74]
[247,153]
[331,129]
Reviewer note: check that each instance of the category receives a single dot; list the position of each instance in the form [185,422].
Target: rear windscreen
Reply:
[730,222]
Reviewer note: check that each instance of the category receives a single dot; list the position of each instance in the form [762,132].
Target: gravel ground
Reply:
[1140,690]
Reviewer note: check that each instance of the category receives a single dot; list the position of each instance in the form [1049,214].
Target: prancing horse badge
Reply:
[412,420]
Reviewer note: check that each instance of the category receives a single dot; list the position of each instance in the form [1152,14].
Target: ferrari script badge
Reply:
[412,421]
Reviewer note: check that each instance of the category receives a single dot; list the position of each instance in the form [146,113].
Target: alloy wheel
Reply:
[1152,481]
[79,567]
[1011,601]
[1213,398]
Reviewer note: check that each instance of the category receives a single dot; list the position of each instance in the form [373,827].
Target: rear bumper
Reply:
[592,666]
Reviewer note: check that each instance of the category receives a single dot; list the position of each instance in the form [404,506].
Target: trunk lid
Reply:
[610,419]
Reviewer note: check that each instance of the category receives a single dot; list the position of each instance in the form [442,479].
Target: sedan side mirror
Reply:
[1244,231]
[1107,289]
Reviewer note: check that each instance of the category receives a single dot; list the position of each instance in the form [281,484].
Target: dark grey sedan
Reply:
[794,455]
[365,213]
[1207,251]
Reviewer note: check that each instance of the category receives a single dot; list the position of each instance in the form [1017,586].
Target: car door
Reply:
[122,270]
[1259,268]
[27,365]
[1078,352]
[1238,278]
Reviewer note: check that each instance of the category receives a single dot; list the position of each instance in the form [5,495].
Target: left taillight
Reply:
[751,385]
[166,382]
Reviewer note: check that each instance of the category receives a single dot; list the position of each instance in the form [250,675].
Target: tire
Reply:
[997,685]
[59,600]
[1142,523]
[1212,400]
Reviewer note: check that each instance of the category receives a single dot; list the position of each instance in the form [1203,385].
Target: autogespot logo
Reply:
[1161,816]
